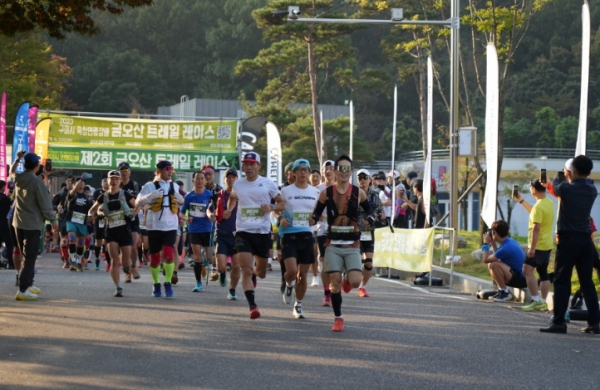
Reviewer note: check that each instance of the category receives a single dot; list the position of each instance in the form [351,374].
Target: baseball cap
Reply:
[300,163]
[163,164]
[231,171]
[251,157]
[31,158]
[329,163]
[114,173]
[363,172]
[395,174]
[535,183]
[380,176]
[569,165]
[412,174]
[123,165]
[288,167]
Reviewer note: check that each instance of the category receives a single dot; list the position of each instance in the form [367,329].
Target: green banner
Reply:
[101,158]
[404,249]
[116,133]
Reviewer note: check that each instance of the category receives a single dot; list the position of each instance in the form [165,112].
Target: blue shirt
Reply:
[511,254]
[197,205]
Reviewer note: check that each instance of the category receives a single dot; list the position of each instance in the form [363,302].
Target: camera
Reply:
[48,165]
[543,177]
[293,14]
[515,191]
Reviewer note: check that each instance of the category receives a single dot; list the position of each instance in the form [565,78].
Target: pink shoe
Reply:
[326,301]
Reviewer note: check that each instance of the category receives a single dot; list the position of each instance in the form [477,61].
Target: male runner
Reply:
[213,188]
[133,188]
[59,203]
[162,220]
[329,175]
[297,242]
[78,206]
[99,242]
[253,223]
[342,201]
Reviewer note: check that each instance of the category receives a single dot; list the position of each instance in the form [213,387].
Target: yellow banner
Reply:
[405,249]
[42,132]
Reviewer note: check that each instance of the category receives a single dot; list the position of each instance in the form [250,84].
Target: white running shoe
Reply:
[315,281]
[298,312]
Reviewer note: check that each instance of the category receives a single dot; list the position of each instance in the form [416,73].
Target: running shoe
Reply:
[228,267]
[199,287]
[66,265]
[362,292]
[254,280]
[87,266]
[128,278]
[223,279]
[156,290]
[315,281]
[174,279]
[97,267]
[34,290]
[492,297]
[135,274]
[119,292]
[288,293]
[326,301]
[338,325]
[169,291]
[269,267]
[254,313]
[346,286]
[180,266]
[535,306]
[503,296]
[79,268]
[26,296]
[214,276]
[231,297]
[73,266]
[297,311]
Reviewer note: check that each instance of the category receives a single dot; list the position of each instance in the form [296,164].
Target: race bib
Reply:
[301,218]
[101,223]
[198,210]
[116,219]
[252,214]
[342,229]
[78,218]
[366,236]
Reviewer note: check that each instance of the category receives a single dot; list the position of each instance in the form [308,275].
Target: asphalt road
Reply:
[78,336]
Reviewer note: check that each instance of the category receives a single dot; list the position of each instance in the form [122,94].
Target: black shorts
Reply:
[158,238]
[541,258]
[202,239]
[143,232]
[135,225]
[277,242]
[121,235]
[225,244]
[321,240]
[368,246]
[517,280]
[99,232]
[255,243]
[299,246]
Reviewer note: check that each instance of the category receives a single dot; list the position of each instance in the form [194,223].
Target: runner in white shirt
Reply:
[253,195]
[297,242]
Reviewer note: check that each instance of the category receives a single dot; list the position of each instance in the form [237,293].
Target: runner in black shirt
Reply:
[133,189]
[78,205]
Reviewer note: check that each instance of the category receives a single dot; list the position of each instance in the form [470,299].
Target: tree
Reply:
[58,17]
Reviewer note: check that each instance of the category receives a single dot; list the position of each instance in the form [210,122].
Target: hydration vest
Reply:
[121,206]
[351,212]
[157,205]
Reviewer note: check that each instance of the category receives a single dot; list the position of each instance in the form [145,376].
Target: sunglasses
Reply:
[363,177]
[344,168]
[169,168]
[124,170]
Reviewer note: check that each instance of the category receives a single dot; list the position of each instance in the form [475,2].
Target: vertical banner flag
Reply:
[488,212]
[32,117]
[274,159]
[42,132]
[585,79]
[427,173]
[394,155]
[21,135]
[3,162]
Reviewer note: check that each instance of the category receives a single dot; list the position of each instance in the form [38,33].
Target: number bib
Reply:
[301,218]
[342,229]
[101,223]
[78,218]
[116,219]
[366,236]
[198,210]
[252,214]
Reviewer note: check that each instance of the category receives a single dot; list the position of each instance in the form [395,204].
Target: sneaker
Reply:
[180,266]
[492,297]
[135,274]
[269,267]
[87,266]
[363,293]
[346,286]
[288,293]
[169,291]
[254,313]
[503,296]
[174,279]
[297,311]
[97,267]
[66,265]
[79,268]
[128,278]
[214,276]
[204,271]
[315,281]
[228,268]
[591,329]
[254,280]
[231,297]
[156,290]
[119,292]
[199,287]
[26,296]
[535,306]
[326,301]
[73,266]
[223,279]
[338,325]
[34,290]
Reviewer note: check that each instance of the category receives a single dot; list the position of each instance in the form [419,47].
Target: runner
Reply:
[342,200]
[117,206]
[254,194]
[200,224]
[329,175]
[367,236]
[209,174]
[162,220]
[78,205]
[59,203]
[99,243]
[133,188]
[225,233]
[297,242]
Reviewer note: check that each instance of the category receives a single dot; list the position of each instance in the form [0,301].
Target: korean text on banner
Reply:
[42,132]
[20,134]
[404,249]
[3,162]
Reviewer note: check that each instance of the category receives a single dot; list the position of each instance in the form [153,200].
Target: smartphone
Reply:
[48,165]
[515,191]
[543,175]
[561,175]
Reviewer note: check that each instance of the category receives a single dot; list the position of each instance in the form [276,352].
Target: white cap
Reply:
[363,172]
[395,173]
[569,165]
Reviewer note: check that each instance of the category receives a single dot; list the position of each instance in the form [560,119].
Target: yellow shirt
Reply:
[542,213]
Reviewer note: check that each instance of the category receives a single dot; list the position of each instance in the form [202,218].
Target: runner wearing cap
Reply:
[162,220]
[78,205]
[99,225]
[367,238]
[225,233]
[133,188]
[328,170]
[291,179]
[116,206]
[209,174]
[297,242]
[253,195]
[343,202]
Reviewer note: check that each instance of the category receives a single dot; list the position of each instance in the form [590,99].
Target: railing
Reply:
[543,153]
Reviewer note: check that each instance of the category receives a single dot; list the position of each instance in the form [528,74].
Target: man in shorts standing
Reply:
[253,195]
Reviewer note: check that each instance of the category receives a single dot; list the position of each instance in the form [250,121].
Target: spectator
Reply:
[5,236]
[417,205]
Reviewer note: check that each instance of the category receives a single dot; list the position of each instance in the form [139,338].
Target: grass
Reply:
[467,265]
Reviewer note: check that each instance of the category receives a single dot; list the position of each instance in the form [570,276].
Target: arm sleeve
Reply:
[366,206]
[319,207]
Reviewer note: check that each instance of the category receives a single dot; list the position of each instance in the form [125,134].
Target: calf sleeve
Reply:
[368,264]
[168,254]
[155,260]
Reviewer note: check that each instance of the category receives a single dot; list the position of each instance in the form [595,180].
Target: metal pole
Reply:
[322,146]
[454,120]
[351,130]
